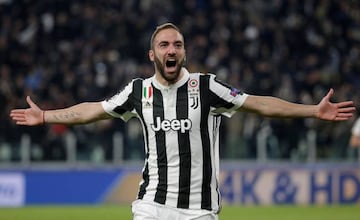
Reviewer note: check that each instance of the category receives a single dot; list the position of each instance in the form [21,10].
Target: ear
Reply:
[151,55]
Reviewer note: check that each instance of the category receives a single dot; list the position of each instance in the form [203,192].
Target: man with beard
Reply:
[180,114]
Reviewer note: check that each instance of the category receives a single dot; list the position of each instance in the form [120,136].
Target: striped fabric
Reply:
[181,132]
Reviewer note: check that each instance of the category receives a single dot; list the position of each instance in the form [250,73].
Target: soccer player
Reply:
[180,115]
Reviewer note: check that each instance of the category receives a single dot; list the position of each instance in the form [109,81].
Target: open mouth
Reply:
[170,63]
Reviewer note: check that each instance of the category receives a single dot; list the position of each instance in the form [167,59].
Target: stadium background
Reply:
[64,52]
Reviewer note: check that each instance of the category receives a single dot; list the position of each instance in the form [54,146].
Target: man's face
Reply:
[168,54]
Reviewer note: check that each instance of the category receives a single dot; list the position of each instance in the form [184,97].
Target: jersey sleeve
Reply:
[121,105]
[228,99]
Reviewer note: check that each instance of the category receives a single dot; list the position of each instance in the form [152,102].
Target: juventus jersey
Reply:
[181,132]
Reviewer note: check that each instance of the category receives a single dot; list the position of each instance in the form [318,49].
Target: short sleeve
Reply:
[229,98]
[121,104]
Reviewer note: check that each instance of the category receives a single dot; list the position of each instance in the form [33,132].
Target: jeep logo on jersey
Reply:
[175,125]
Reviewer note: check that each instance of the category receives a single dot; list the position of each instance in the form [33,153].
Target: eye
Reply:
[163,45]
[179,45]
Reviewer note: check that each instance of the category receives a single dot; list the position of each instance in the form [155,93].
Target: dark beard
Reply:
[169,78]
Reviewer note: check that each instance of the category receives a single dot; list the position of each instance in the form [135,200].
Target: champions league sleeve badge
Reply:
[234,92]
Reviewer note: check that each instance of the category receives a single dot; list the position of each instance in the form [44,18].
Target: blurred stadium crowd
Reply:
[64,52]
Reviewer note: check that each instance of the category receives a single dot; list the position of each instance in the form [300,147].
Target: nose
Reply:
[172,50]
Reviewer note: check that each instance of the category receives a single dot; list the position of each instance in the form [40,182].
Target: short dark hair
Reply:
[160,28]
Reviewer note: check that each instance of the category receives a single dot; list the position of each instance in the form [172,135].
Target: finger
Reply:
[342,118]
[17,114]
[17,111]
[18,117]
[31,103]
[348,115]
[20,120]
[330,93]
[348,109]
[21,123]
[344,104]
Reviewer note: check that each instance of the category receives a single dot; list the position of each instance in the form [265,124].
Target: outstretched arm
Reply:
[78,114]
[275,107]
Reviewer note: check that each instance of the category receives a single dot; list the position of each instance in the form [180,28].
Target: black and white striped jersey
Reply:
[181,133]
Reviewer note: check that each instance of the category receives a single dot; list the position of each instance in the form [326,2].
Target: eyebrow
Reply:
[176,42]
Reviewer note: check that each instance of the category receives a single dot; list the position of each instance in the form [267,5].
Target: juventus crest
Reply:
[193,86]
